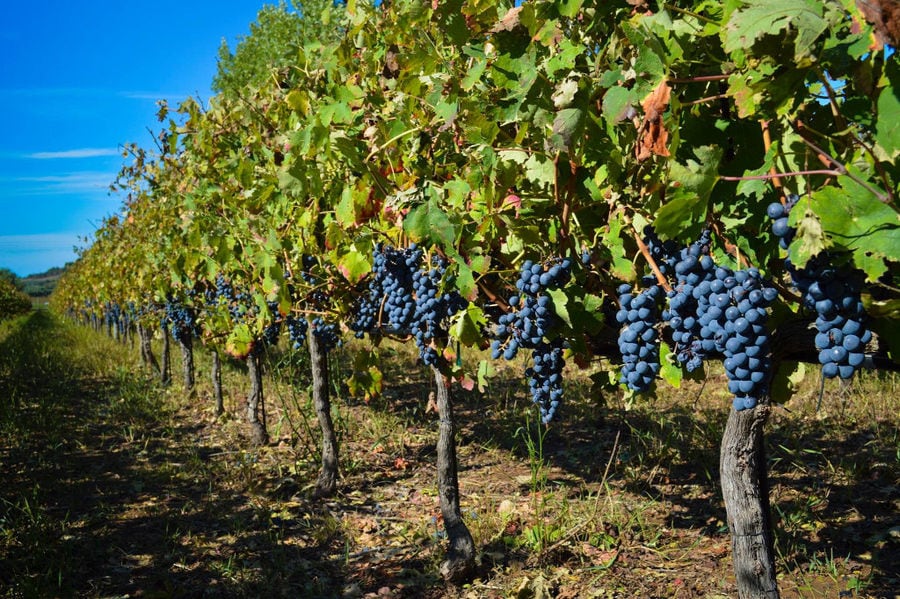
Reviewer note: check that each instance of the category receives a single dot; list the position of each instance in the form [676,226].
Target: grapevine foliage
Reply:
[412,161]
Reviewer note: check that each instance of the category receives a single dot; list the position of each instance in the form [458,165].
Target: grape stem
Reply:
[493,296]
[661,279]
[400,135]
[699,79]
[838,166]
[729,247]
[832,172]
[704,100]
[767,143]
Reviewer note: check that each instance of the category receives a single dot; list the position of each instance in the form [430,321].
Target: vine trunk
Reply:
[460,563]
[326,484]
[745,489]
[256,415]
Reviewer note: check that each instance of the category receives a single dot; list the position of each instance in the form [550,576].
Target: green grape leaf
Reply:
[565,126]
[354,265]
[854,219]
[621,267]
[298,100]
[617,102]
[762,18]
[693,182]
[428,222]
[465,281]
[569,8]
[669,369]
[485,372]
[540,170]
[474,74]
[887,129]
[810,238]
[345,211]
[467,326]
[560,303]
[787,380]
[239,341]
[365,378]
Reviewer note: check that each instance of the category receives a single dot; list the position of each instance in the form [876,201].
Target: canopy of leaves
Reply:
[493,134]
[12,301]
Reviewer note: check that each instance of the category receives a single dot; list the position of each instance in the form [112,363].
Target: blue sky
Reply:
[77,80]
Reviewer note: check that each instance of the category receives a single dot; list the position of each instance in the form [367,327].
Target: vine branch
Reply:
[830,172]
[837,165]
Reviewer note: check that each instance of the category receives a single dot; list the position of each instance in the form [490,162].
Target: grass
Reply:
[114,486]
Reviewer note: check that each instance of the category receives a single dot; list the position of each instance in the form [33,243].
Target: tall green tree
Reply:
[274,41]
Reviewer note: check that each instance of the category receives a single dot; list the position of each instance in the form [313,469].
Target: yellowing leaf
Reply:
[762,18]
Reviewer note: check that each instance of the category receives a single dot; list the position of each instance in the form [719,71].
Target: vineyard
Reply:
[617,258]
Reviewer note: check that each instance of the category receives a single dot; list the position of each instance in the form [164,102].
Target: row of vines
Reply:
[640,186]
[12,300]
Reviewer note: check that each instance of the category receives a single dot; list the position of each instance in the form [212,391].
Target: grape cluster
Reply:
[433,308]
[545,377]
[740,332]
[273,329]
[317,297]
[833,293]
[238,303]
[779,214]
[181,320]
[694,272]
[529,326]
[389,303]
[328,333]
[638,344]
[407,298]
[664,253]
[715,310]
[297,328]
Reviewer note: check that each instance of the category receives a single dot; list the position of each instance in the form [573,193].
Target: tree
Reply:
[274,42]
[11,278]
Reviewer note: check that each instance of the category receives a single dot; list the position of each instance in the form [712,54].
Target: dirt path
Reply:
[112,487]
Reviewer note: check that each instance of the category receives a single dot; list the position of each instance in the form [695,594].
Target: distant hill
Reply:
[41,284]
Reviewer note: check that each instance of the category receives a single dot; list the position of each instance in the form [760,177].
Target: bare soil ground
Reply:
[112,487]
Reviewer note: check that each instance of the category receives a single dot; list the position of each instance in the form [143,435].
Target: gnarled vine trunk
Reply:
[745,488]
[460,563]
[147,356]
[165,372]
[187,363]
[256,413]
[326,484]
[217,382]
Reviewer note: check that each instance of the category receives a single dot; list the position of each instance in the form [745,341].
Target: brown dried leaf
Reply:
[509,21]
[431,406]
[884,15]
[653,136]
[391,64]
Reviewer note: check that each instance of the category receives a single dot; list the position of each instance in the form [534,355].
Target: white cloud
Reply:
[25,254]
[38,242]
[77,153]
[73,182]
[143,95]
